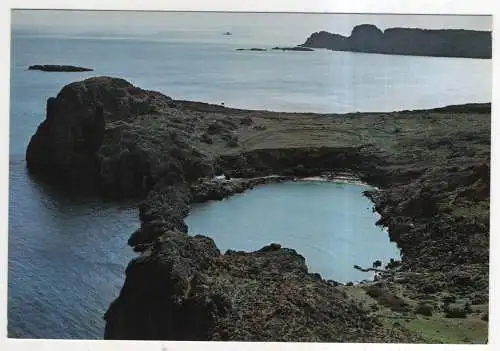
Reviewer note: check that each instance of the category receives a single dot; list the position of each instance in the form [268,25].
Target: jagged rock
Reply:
[188,291]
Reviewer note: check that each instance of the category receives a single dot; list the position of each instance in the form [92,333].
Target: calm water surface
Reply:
[330,224]
[67,256]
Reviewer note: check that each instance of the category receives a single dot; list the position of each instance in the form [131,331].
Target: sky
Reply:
[45,19]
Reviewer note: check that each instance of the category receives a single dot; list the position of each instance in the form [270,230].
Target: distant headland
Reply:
[368,38]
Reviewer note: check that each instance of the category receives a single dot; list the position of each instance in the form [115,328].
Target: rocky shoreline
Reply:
[431,170]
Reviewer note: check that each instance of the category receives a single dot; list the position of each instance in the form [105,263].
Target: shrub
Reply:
[428,288]
[387,298]
[424,309]
[246,121]
[232,143]
[447,299]
[374,291]
[205,138]
[485,317]
[479,299]
[455,311]
[392,264]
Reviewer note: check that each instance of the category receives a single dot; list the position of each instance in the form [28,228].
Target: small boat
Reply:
[228,33]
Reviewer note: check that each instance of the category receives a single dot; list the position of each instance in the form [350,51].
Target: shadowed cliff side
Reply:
[432,168]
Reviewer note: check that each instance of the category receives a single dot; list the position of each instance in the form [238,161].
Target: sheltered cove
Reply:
[431,168]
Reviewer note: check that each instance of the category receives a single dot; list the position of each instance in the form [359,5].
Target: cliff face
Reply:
[407,41]
[100,133]
[433,168]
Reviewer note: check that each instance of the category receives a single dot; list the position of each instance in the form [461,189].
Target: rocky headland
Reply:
[431,169]
[59,68]
[407,41]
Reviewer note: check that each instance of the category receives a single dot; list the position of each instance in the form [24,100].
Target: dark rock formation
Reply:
[59,68]
[189,291]
[252,49]
[293,48]
[407,41]
[86,141]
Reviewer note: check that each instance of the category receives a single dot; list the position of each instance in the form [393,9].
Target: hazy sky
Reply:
[51,18]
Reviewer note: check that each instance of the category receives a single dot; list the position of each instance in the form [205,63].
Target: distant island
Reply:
[293,48]
[407,41]
[59,68]
[251,49]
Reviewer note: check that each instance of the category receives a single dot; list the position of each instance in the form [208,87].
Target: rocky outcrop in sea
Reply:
[59,68]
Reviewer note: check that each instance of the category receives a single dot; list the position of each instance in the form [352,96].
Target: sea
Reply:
[67,255]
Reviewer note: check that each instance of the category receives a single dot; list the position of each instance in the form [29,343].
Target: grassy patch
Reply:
[450,331]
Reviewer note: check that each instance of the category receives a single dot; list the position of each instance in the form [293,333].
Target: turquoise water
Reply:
[67,256]
[331,224]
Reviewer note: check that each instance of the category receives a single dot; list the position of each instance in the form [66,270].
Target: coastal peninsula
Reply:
[432,173]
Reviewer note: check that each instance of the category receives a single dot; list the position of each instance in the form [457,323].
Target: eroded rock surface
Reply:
[184,289]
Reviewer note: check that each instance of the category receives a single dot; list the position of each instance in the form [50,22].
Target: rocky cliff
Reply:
[101,133]
[407,41]
[432,166]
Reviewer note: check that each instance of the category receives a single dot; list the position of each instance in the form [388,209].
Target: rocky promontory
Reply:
[432,172]
[407,41]
[59,68]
